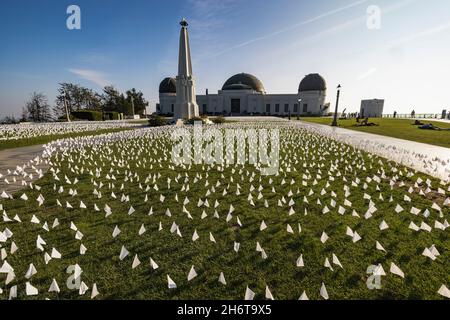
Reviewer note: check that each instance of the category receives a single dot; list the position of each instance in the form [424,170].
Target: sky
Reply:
[134,43]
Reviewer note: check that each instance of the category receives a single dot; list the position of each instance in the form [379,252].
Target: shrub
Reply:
[219,120]
[195,119]
[111,115]
[156,121]
[89,115]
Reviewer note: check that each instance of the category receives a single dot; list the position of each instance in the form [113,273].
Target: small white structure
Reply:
[372,108]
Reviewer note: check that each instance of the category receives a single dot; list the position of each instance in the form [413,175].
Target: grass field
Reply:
[397,128]
[137,165]
[17,143]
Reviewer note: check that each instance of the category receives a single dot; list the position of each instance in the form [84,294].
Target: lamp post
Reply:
[65,106]
[298,108]
[132,105]
[334,124]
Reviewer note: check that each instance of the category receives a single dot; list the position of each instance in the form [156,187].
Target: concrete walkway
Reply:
[426,158]
[19,166]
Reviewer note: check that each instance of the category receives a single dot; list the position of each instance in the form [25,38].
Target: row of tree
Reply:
[77,98]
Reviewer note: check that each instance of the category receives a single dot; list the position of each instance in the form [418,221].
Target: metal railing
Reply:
[417,116]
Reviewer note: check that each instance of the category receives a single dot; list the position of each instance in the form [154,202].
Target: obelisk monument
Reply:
[186,105]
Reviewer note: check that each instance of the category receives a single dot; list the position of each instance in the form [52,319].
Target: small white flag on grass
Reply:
[263,226]
[192,274]
[142,230]
[444,291]
[289,229]
[356,237]
[327,264]
[14,247]
[324,237]
[222,279]
[396,270]
[249,294]
[303,296]
[429,254]
[413,226]
[383,225]
[94,291]
[30,290]
[323,291]
[123,253]
[136,262]
[170,283]
[349,232]
[153,264]
[55,254]
[116,232]
[195,235]
[79,235]
[269,294]
[73,226]
[54,286]
[83,288]
[425,227]
[336,261]
[300,262]
[379,247]
[34,219]
[30,272]
[47,258]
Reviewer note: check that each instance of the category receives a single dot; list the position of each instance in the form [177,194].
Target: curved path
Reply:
[426,158]
[20,164]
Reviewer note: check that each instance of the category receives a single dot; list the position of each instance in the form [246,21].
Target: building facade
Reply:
[244,94]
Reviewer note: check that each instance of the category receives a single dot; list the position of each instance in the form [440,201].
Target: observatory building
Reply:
[241,94]
[244,94]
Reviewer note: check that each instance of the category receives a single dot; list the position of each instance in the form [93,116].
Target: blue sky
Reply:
[134,43]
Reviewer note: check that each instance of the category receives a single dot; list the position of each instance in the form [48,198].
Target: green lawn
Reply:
[397,128]
[17,143]
[130,165]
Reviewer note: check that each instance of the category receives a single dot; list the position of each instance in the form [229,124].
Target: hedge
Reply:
[88,115]
[111,115]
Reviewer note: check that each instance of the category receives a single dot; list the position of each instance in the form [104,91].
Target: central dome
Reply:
[244,81]
[313,82]
[168,85]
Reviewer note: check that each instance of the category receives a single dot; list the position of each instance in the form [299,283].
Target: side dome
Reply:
[313,82]
[168,85]
[244,81]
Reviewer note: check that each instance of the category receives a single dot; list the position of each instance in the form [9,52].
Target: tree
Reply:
[77,98]
[112,99]
[140,103]
[37,108]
